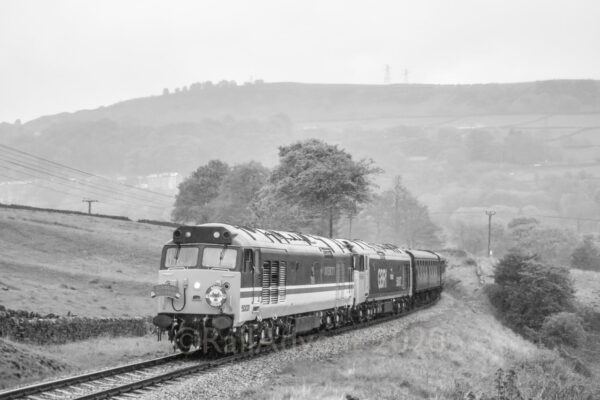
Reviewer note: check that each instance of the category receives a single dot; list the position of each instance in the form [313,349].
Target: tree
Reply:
[238,191]
[526,291]
[270,210]
[400,218]
[411,223]
[550,244]
[320,179]
[473,237]
[586,255]
[193,202]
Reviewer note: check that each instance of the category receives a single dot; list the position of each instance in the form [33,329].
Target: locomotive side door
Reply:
[361,280]
[256,278]
[341,293]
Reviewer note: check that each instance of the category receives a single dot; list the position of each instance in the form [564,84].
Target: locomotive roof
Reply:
[247,237]
[218,233]
[362,247]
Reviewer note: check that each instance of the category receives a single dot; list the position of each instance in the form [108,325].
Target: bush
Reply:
[527,291]
[544,377]
[562,328]
[590,317]
[586,256]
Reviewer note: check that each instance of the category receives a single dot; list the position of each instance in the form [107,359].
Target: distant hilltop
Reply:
[305,103]
[184,128]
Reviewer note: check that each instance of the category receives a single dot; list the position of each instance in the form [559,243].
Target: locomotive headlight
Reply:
[216,296]
[196,285]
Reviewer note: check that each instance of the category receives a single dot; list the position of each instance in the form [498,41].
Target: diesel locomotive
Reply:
[234,287]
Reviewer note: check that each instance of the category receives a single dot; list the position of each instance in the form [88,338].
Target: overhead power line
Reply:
[40,185]
[83,172]
[15,160]
[78,185]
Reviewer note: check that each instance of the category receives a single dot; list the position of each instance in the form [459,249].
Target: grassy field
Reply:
[58,263]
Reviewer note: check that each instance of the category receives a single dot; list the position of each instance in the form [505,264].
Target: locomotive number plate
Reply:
[166,291]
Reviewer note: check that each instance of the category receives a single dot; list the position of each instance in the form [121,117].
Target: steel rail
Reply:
[74,380]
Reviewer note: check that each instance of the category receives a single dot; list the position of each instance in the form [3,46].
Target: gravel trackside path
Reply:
[242,379]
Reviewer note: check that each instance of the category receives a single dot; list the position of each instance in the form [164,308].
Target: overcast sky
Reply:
[60,56]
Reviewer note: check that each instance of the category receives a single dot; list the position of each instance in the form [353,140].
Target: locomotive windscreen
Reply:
[181,257]
[219,257]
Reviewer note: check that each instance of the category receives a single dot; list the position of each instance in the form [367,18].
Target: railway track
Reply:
[76,386]
[126,381]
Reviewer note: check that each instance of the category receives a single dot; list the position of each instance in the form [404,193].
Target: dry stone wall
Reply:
[28,327]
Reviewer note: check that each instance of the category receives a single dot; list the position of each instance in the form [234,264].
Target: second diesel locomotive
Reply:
[234,287]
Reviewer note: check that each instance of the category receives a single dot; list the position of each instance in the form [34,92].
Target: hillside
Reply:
[326,102]
[523,148]
[178,131]
[88,266]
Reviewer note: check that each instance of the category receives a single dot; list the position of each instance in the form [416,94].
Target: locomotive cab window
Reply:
[219,257]
[181,257]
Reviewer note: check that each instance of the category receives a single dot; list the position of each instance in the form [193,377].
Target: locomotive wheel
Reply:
[370,313]
[245,338]
[361,314]
[231,343]
[287,329]
[278,329]
[266,333]
[185,339]
[329,321]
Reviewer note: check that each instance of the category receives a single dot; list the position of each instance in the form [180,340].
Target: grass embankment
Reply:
[57,263]
[22,364]
[441,358]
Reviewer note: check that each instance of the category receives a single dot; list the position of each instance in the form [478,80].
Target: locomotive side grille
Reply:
[274,289]
[266,280]
[282,280]
[274,277]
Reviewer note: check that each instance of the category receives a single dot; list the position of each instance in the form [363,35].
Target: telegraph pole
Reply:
[489,214]
[89,201]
